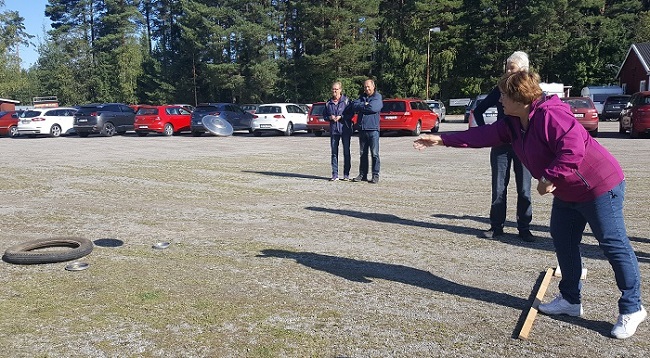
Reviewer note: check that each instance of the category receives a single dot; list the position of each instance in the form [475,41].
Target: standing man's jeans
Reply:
[369,143]
[335,139]
[605,217]
[501,159]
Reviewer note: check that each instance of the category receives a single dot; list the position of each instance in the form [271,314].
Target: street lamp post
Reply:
[433,29]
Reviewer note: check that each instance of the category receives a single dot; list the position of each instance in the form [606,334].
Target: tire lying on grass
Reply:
[30,252]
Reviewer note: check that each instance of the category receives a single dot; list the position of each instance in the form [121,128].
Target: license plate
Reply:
[82,120]
[143,126]
[265,126]
[390,117]
[490,115]
[579,115]
[25,121]
[321,120]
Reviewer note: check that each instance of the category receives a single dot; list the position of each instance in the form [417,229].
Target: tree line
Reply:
[193,51]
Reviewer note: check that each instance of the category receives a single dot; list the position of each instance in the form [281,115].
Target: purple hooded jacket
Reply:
[555,146]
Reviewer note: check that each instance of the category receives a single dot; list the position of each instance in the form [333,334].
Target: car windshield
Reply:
[269,110]
[317,109]
[578,103]
[30,114]
[394,107]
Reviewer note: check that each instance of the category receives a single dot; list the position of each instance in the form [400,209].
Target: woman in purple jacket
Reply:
[587,183]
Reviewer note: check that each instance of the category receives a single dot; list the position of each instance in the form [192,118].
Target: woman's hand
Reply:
[427,140]
[545,188]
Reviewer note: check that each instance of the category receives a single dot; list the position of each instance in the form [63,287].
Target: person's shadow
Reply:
[364,271]
[286,175]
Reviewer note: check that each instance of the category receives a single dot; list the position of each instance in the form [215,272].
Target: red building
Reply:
[8,104]
[634,74]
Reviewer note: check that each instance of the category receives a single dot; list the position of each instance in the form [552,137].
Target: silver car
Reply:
[438,108]
[489,116]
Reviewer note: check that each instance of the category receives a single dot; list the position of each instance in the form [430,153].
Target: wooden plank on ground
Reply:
[532,313]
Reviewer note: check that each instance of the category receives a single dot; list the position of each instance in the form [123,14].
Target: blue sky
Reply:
[36,24]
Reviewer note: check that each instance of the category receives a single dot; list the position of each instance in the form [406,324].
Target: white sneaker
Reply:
[561,306]
[626,325]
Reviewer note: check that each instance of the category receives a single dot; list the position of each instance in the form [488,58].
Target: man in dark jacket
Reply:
[368,107]
[340,129]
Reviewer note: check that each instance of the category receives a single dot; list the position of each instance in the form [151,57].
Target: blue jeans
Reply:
[605,217]
[335,139]
[369,144]
[501,159]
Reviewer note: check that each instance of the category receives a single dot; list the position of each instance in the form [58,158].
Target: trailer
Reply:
[599,94]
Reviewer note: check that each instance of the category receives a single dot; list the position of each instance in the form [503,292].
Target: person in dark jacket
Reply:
[586,181]
[368,107]
[340,130]
[503,157]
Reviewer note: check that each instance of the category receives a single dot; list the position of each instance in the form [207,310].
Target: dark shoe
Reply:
[492,233]
[526,235]
[374,180]
[360,178]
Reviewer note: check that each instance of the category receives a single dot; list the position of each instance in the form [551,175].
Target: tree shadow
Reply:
[364,271]
[286,175]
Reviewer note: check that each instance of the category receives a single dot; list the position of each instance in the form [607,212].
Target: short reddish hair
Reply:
[521,86]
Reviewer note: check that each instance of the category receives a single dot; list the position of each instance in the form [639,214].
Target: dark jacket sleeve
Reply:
[326,111]
[490,101]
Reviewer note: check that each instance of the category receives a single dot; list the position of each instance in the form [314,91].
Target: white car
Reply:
[489,116]
[50,121]
[278,117]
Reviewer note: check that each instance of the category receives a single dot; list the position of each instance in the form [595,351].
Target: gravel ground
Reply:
[269,259]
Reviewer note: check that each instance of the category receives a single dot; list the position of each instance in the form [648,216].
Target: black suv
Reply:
[105,119]
[613,106]
[237,117]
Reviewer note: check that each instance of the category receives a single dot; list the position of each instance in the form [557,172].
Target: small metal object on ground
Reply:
[77,266]
[558,273]
[161,245]
[528,323]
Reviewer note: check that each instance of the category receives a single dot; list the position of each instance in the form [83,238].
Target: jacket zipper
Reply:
[582,178]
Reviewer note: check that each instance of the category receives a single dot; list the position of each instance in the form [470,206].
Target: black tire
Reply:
[109,130]
[318,133]
[620,128]
[257,133]
[417,130]
[594,133]
[141,134]
[24,254]
[289,130]
[55,131]
[436,128]
[13,132]
[196,133]
[169,130]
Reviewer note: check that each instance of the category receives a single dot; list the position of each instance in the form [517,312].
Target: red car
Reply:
[408,114]
[9,123]
[315,121]
[585,112]
[166,120]
[636,115]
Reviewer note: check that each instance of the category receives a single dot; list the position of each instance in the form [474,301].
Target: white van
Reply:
[599,94]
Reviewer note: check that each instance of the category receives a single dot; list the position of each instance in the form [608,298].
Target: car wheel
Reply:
[30,253]
[257,133]
[620,127]
[436,128]
[141,134]
[289,130]
[196,134]
[83,134]
[169,130]
[633,134]
[594,133]
[418,129]
[55,131]
[318,133]
[109,130]
[13,131]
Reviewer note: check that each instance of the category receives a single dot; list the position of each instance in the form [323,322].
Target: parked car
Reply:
[438,107]
[585,111]
[408,114]
[315,121]
[105,119]
[305,107]
[237,117]
[51,121]
[636,115]
[250,108]
[9,123]
[613,106]
[279,117]
[489,116]
[167,120]
[188,107]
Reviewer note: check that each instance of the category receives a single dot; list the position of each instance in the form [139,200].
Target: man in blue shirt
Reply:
[368,107]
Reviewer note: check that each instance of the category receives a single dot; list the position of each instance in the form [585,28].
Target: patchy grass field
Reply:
[269,259]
